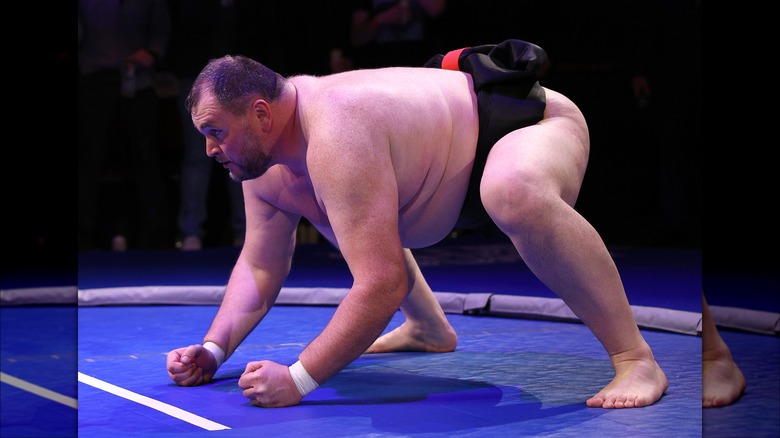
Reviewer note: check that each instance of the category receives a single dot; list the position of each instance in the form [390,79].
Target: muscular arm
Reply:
[257,276]
[361,199]
[252,289]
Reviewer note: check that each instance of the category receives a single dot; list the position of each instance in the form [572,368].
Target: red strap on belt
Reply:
[450,61]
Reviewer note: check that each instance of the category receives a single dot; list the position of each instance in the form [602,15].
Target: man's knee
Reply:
[514,203]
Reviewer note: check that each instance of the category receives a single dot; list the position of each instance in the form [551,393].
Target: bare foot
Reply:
[638,382]
[722,380]
[407,337]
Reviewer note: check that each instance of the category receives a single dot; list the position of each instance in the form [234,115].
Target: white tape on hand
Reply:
[302,379]
[218,352]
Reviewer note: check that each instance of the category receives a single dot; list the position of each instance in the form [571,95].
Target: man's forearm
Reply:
[358,321]
[248,297]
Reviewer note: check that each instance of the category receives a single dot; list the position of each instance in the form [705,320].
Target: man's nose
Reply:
[212,148]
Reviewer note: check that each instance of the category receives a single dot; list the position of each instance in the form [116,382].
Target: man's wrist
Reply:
[303,381]
[216,350]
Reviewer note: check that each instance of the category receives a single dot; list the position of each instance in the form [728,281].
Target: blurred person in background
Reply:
[201,30]
[385,33]
[119,47]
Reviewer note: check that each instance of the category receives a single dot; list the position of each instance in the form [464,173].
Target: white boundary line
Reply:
[165,408]
[39,390]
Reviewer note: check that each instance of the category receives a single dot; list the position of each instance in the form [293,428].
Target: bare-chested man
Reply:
[380,161]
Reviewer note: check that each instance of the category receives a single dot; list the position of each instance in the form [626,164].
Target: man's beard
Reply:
[254,162]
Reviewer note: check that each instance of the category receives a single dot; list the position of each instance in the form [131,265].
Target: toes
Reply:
[595,402]
[618,401]
[639,402]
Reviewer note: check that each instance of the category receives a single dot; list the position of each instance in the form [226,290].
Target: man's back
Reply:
[422,121]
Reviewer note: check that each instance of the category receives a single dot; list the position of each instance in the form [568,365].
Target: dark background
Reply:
[644,181]
[592,60]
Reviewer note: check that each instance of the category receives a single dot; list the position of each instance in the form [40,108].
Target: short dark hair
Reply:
[233,79]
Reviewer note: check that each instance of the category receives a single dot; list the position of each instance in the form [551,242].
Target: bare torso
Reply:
[380,161]
[426,121]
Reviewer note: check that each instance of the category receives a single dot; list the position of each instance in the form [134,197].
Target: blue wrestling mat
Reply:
[38,360]
[523,366]
[508,377]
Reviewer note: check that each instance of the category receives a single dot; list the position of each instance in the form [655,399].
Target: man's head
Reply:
[234,81]
[229,104]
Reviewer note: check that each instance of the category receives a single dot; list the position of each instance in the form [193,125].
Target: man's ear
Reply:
[262,110]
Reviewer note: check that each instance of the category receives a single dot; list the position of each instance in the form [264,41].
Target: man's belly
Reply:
[423,221]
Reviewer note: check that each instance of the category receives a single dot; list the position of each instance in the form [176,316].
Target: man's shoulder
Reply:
[385,76]
[401,85]
[362,102]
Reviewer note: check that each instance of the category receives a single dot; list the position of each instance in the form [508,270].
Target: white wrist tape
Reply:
[218,353]
[302,379]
